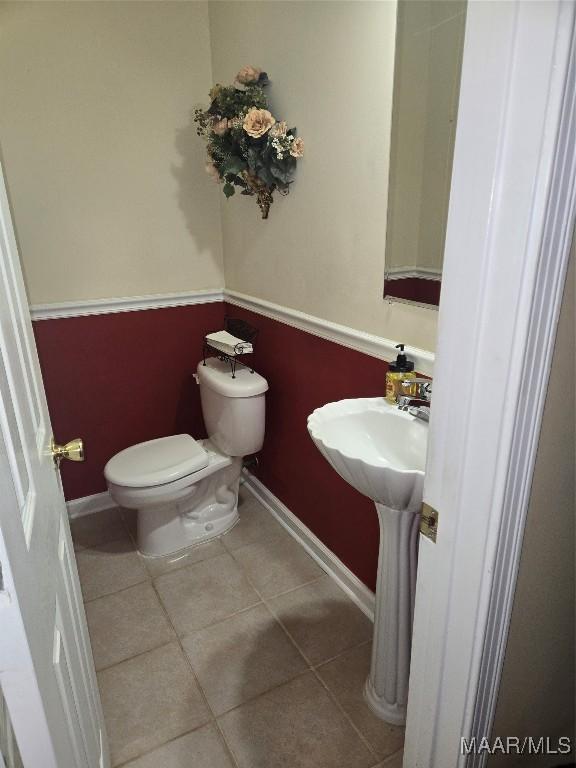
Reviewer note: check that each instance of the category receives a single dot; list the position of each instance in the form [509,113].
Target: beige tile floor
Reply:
[241,653]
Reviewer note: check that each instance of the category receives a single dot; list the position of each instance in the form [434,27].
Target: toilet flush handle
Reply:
[196,378]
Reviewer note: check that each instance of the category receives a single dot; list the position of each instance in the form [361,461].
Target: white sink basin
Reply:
[381,451]
[378,449]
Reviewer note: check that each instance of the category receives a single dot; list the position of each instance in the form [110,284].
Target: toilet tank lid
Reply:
[156,462]
[217,375]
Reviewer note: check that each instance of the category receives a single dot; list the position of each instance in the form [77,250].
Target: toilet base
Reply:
[204,538]
[207,511]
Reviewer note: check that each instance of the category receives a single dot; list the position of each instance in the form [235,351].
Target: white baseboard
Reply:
[327,560]
[87,505]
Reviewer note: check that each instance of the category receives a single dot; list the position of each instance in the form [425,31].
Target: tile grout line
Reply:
[266,601]
[169,741]
[91,600]
[127,527]
[310,667]
[198,683]
[339,706]
[135,656]
[274,687]
[193,632]
[227,746]
[263,601]
[363,739]
[339,654]
[92,547]
[276,594]
[211,720]
[388,760]
[215,717]
[150,579]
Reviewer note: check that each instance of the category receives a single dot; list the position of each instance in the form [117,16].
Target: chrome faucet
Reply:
[417,405]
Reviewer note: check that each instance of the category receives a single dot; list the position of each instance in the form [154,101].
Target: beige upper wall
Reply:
[538,687]
[322,249]
[105,171]
[103,166]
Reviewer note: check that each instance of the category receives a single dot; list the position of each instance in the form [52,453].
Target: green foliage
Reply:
[255,165]
[230,102]
[233,165]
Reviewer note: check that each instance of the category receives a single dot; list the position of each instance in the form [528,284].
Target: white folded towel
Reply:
[229,344]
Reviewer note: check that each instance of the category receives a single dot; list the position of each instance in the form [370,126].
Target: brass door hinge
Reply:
[429,522]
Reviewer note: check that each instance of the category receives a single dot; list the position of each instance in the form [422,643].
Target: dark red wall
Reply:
[122,378]
[305,372]
[119,379]
[414,289]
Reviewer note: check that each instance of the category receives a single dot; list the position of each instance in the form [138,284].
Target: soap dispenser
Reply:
[399,371]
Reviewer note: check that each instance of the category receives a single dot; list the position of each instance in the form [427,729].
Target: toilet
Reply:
[186,490]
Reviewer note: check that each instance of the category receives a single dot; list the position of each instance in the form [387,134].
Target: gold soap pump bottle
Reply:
[397,372]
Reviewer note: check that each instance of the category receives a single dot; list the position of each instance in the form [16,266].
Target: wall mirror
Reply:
[427,66]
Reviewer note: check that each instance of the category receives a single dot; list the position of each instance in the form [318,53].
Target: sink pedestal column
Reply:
[386,690]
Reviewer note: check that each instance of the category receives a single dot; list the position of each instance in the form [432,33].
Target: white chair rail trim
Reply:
[375,346]
[367,343]
[124,304]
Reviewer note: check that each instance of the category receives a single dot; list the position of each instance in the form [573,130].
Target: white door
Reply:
[510,224]
[47,677]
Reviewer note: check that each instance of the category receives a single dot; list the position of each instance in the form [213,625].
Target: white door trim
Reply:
[558,230]
[509,228]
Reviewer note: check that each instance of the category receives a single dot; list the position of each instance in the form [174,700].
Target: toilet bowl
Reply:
[186,490]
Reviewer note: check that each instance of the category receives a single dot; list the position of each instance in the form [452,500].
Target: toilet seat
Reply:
[156,462]
[185,492]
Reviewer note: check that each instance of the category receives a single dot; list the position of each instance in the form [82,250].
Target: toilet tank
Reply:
[233,408]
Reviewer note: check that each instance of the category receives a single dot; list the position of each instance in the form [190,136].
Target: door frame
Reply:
[510,226]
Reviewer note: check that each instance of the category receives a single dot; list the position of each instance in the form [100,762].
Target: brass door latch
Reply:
[429,522]
[73,451]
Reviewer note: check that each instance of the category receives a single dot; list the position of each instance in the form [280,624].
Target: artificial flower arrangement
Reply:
[247,147]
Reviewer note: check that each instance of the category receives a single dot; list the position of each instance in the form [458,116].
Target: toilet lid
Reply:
[156,462]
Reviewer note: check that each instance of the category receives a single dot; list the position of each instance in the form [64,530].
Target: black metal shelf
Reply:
[242,330]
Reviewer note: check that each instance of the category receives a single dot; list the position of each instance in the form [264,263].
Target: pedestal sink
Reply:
[381,451]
